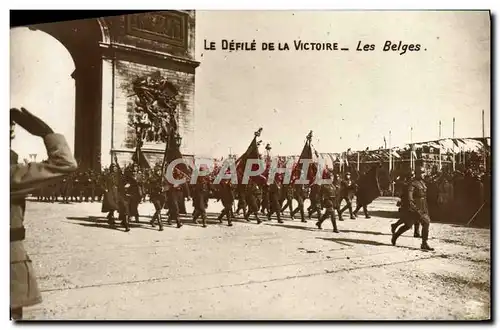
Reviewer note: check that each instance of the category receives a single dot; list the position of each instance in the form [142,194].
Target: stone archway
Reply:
[83,40]
[109,54]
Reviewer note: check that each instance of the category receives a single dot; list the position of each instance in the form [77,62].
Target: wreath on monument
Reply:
[155,109]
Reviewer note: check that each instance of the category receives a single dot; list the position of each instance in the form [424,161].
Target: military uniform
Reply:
[136,192]
[315,198]
[242,202]
[299,195]
[25,179]
[329,199]
[253,197]
[348,191]
[417,211]
[274,201]
[405,216]
[200,193]
[265,199]
[174,193]
[111,196]
[288,197]
[227,198]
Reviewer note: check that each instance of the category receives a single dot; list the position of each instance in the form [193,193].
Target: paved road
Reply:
[270,271]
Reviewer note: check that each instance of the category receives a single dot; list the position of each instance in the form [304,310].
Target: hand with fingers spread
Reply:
[30,122]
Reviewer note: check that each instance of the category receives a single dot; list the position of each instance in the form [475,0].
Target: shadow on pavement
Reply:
[292,226]
[365,232]
[384,214]
[355,241]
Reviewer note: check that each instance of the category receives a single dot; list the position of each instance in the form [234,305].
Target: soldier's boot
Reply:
[334,223]
[204,219]
[111,219]
[302,216]
[196,214]
[425,236]
[319,223]
[221,215]
[16,314]
[290,205]
[228,217]
[351,215]
[416,230]
[179,223]
[153,219]
[278,214]
[136,218]
[125,222]
[400,232]
[365,211]
[269,215]
[256,213]
[160,224]
[245,214]
[339,214]
[395,225]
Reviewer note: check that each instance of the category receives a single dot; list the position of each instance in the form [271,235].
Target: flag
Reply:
[312,169]
[181,170]
[252,152]
[139,158]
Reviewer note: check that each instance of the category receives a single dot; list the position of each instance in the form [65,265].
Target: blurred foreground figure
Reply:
[25,179]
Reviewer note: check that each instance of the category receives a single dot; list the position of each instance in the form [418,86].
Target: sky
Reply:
[40,81]
[350,99]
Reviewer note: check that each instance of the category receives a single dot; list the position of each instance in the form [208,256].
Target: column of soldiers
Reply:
[445,193]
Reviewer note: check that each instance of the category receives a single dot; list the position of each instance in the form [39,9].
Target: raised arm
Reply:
[25,178]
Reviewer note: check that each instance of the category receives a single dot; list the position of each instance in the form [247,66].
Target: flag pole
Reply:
[357,166]
[411,148]
[390,153]
[390,162]
[484,141]
[454,145]
[440,164]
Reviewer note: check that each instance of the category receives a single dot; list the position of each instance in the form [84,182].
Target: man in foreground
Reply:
[25,179]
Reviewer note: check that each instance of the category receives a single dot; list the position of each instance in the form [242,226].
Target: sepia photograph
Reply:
[251,165]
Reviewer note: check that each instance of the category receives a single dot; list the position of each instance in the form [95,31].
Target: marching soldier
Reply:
[200,193]
[287,192]
[111,196]
[418,210]
[299,195]
[265,199]
[315,198]
[404,210]
[158,197]
[174,193]
[25,179]
[136,192]
[337,186]
[348,191]
[242,203]
[275,192]
[329,200]
[227,198]
[253,197]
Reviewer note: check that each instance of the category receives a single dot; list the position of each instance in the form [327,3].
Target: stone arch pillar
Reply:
[84,39]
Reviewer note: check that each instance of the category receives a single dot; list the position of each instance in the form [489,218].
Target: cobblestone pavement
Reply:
[270,271]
